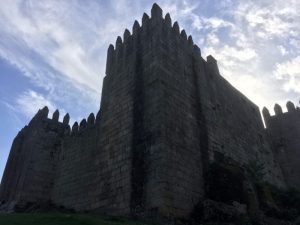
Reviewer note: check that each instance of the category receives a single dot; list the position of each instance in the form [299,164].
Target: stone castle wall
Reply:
[30,170]
[165,115]
[234,124]
[283,130]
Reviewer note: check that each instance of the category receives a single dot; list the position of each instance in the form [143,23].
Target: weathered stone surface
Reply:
[55,116]
[283,130]
[166,117]
[220,212]
[30,171]
[66,119]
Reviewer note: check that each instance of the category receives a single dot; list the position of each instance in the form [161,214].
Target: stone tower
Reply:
[166,115]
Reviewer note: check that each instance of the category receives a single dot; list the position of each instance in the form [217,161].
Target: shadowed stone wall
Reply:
[30,171]
[283,130]
[235,127]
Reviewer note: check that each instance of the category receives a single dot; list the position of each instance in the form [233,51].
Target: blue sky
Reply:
[53,52]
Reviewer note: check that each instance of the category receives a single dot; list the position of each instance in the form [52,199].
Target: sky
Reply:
[53,52]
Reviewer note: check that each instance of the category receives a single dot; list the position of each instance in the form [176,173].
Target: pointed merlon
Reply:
[55,116]
[183,35]
[126,35]
[40,115]
[156,12]
[75,127]
[211,59]
[98,116]
[82,124]
[212,63]
[136,27]
[277,109]
[190,40]
[266,113]
[119,41]
[91,119]
[145,19]
[176,27]
[109,59]
[290,106]
[66,119]
[168,20]
[110,49]
[197,50]
[44,112]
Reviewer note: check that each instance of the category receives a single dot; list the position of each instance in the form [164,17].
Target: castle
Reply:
[166,116]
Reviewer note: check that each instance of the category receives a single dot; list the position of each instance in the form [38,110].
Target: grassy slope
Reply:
[61,219]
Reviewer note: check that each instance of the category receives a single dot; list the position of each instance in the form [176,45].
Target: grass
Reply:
[63,219]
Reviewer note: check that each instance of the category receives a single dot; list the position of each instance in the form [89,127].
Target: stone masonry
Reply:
[283,131]
[165,115]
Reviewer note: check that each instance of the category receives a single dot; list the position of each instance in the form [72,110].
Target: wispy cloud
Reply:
[289,73]
[61,45]
[256,44]
[30,101]
[41,35]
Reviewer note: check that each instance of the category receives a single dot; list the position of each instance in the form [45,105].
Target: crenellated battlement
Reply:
[292,111]
[42,116]
[283,130]
[85,124]
[153,29]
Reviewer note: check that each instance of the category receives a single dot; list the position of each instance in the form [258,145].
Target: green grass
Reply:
[62,219]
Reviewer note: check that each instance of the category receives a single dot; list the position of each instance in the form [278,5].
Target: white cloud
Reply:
[283,50]
[201,22]
[41,29]
[212,39]
[289,68]
[253,39]
[62,45]
[30,102]
[216,23]
[289,73]
[226,54]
